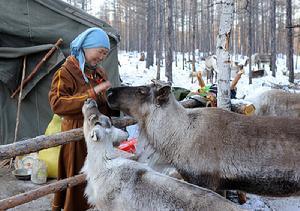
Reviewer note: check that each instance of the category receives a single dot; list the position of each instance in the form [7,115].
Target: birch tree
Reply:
[223,56]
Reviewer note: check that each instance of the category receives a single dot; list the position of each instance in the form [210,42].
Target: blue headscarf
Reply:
[90,38]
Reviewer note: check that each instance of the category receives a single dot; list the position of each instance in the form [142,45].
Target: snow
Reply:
[134,72]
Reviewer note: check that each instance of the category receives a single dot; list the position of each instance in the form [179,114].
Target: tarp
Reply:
[30,28]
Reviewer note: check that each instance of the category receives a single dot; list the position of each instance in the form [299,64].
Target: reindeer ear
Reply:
[162,95]
[105,121]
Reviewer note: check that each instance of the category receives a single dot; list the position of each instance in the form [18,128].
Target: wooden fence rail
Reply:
[23,198]
[44,142]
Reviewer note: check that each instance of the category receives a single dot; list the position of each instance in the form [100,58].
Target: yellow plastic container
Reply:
[50,156]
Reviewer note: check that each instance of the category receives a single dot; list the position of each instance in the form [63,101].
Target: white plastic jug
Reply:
[39,172]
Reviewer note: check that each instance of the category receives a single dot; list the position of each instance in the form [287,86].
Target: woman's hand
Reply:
[102,87]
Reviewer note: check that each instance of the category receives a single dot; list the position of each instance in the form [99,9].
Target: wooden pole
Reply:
[200,79]
[39,142]
[123,122]
[44,142]
[23,198]
[37,67]
[236,79]
[19,105]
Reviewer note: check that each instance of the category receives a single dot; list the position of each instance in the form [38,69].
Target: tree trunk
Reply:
[263,28]
[273,37]
[169,43]
[150,34]
[194,6]
[250,47]
[290,47]
[202,27]
[161,14]
[223,56]
[175,33]
[208,28]
[182,32]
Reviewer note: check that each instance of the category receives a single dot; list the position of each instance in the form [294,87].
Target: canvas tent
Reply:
[30,28]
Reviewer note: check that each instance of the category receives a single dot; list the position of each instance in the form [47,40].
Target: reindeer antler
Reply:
[160,83]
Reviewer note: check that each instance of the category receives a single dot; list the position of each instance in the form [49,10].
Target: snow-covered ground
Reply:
[134,72]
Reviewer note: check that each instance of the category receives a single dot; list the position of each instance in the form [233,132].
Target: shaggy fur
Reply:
[214,148]
[115,183]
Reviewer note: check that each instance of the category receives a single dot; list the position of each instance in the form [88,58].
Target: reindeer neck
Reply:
[99,154]
[162,121]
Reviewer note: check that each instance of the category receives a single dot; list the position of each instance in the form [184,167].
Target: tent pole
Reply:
[37,67]
[19,105]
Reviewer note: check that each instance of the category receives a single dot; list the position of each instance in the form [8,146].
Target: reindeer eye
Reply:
[142,91]
[92,117]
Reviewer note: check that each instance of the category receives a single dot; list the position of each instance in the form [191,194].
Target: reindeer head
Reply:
[98,127]
[137,101]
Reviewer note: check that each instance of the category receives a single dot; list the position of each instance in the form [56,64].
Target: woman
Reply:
[76,80]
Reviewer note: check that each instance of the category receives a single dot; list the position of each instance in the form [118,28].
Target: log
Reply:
[237,107]
[23,198]
[199,101]
[243,108]
[258,73]
[123,122]
[39,142]
[44,142]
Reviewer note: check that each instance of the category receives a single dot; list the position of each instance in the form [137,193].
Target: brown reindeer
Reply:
[214,148]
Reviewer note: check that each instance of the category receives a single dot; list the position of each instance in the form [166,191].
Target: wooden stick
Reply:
[44,142]
[23,198]
[37,67]
[236,79]
[200,79]
[19,106]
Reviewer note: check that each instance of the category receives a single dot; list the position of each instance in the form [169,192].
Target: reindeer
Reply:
[115,183]
[215,148]
[276,102]
[211,68]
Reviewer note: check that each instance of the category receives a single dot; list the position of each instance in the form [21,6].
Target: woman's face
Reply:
[95,55]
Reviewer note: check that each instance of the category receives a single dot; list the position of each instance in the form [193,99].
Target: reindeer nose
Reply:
[88,101]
